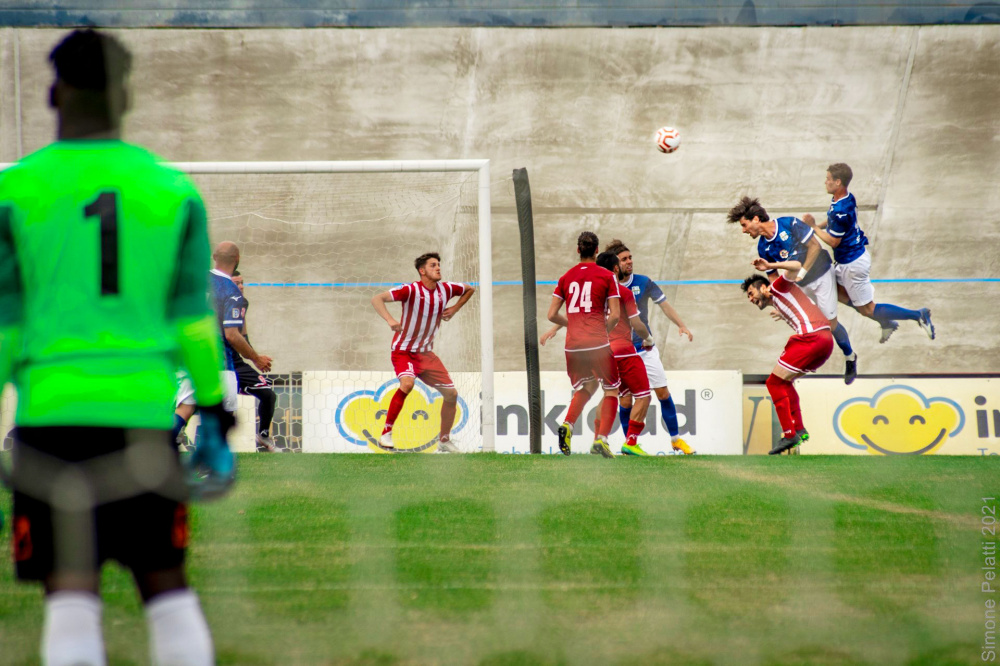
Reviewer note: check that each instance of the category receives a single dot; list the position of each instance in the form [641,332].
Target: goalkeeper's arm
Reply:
[10,297]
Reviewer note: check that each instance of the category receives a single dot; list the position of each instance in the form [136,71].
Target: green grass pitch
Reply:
[522,560]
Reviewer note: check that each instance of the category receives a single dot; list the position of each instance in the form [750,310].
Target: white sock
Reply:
[178,633]
[72,633]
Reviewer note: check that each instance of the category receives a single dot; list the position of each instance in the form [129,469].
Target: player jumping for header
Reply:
[645,289]
[588,292]
[425,305]
[806,350]
[789,239]
[840,231]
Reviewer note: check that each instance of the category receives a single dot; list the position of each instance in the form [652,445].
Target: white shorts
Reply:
[823,292]
[654,368]
[853,277]
[185,390]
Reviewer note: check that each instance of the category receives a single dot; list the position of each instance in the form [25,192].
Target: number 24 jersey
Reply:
[586,289]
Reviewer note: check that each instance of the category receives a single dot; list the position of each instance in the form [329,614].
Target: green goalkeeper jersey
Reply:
[104,256]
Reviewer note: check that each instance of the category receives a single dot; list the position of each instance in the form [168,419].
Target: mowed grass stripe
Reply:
[310,561]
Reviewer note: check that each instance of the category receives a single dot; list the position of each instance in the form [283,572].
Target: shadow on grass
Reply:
[590,555]
[737,556]
[885,562]
[446,555]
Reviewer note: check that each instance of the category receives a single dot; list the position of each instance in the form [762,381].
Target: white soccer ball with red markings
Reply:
[667,139]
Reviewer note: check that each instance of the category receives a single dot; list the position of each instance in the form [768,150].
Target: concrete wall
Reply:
[761,111]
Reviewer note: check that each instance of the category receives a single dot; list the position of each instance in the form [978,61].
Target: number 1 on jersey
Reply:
[579,301]
[105,206]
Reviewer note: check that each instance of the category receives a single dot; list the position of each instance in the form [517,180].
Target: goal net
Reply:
[317,241]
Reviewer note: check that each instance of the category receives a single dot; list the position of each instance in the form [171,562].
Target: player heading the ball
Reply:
[425,306]
[590,294]
[806,350]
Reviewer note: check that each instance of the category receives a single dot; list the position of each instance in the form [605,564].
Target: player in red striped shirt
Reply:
[425,305]
[588,291]
[806,350]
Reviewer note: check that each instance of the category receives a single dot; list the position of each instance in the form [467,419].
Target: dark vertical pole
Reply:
[525,222]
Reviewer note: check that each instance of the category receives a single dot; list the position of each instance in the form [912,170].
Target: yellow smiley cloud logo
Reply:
[361,415]
[898,420]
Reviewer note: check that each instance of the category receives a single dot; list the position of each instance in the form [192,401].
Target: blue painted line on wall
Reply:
[665,283]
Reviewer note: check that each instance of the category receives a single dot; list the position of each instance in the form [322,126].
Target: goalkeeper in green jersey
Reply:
[103,293]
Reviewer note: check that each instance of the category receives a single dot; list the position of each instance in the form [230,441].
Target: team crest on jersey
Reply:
[360,418]
[783,235]
[784,254]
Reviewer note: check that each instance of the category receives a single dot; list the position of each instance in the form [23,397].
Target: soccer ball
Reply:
[667,139]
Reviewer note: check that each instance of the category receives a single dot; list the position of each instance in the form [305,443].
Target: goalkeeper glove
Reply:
[212,466]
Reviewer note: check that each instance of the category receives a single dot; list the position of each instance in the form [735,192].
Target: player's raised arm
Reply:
[791,268]
[378,302]
[450,311]
[820,230]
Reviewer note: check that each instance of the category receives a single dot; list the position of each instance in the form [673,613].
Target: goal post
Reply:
[322,238]
[483,278]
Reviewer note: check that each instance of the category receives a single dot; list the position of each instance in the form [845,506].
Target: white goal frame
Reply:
[485,286]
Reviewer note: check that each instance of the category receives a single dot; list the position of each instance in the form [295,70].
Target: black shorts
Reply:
[247,377]
[85,495]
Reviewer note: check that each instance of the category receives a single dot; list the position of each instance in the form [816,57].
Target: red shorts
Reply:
[587,365]
[632,371]
[807,352]
[425,365]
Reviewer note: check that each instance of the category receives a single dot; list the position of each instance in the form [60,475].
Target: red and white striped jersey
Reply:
[795,307]
[422,310]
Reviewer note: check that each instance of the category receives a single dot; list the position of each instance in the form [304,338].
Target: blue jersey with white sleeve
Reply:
[790,243]
[842,223]
[230,308]
[644,290]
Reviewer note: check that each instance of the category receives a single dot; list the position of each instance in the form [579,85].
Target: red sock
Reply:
[398,398]
[793,401]
[447,417]
[609,407]
[778,388]
[634,428]
[576,406]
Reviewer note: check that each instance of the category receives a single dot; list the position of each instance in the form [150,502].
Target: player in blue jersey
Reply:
[790,239]
[230,308]
[645,290]
[840,231]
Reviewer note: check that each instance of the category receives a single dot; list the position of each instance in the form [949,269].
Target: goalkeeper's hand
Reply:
[211,469]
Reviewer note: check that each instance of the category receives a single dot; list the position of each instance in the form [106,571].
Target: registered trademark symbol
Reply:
[706,394]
